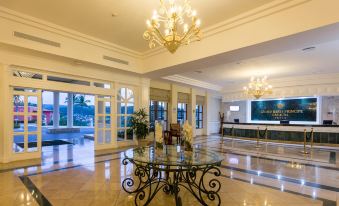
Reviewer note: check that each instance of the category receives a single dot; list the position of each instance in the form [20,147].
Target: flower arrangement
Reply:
[158,135]
[139,123]
[188,135]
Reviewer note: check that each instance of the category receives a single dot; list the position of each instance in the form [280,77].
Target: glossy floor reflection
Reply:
[76,175]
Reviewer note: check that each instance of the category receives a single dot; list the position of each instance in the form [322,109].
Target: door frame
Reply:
[25,154]
[113,143]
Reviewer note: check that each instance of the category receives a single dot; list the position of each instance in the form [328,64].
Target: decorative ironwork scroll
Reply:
[149,179]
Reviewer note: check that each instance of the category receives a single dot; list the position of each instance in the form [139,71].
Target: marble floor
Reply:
[274,174]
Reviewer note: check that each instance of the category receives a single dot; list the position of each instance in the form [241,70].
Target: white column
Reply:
[174,104]
[192,112]
[5,113]
[206,114]
[56,113]
[145,98]
[144,95]
[70,110]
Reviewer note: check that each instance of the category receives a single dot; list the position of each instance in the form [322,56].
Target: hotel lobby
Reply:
[169,102]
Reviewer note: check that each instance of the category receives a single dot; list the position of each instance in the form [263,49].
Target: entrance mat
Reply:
[44,143]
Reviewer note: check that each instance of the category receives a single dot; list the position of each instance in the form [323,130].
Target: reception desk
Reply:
[293,133]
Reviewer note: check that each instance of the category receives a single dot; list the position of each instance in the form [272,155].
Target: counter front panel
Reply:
[291,133]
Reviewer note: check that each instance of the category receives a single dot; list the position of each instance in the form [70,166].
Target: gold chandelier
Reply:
[171,19]
[258,87]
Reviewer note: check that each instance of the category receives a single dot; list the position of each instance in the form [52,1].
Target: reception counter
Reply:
[323,134]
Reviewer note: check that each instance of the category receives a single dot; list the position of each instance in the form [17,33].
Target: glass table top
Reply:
[172,155]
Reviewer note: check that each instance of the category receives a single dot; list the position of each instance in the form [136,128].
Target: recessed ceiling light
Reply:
[114,14]
[308,48]
[198,71]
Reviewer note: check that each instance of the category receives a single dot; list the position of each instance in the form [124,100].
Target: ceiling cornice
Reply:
[252,15]
[239,20]
[63,31]
[321,84]
[244,18]
[192,82]
[312,79]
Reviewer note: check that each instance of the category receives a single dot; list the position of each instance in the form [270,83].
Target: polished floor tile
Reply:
[76,175]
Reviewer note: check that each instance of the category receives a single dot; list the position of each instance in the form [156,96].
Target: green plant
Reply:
[139,123]
[79,99]
[16,125]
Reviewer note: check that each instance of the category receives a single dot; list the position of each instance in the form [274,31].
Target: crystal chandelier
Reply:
[171,18]
[258,87]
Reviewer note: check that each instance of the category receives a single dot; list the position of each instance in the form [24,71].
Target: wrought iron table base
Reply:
[152,178]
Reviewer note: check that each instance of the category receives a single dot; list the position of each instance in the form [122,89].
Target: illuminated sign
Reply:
[302,109]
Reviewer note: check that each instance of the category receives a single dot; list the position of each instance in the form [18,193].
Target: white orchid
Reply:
[188,134]
[158,133]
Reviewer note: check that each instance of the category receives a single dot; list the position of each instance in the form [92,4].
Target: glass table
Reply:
[171,169]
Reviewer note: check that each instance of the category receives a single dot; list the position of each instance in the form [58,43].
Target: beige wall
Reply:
[2,109]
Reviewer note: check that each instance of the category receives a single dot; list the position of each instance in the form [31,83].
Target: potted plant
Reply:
[139,124]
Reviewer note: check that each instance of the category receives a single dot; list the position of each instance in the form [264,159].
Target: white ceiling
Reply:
[94,17]
[323,59]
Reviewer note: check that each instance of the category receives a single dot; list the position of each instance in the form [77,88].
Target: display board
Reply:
[299,109]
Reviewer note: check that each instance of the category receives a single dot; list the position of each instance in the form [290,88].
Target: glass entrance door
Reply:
[103,122]
[26,133]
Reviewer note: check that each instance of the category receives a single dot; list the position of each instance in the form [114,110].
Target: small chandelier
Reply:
[171,19]
[258,87]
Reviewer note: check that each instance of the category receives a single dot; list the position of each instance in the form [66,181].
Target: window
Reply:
[182,113]
[158,111]
[125,109]
[199,116]
[26,121]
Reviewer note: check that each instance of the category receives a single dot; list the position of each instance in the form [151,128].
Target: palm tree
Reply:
[18,101]
[79,99]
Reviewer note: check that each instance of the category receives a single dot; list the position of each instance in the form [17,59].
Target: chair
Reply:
[167,137]
[175,130]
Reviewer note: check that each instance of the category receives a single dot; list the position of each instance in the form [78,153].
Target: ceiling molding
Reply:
[65,32]
[239,20]
[290,91]
[252,15]
[312,79]
[192,82]
[309,85]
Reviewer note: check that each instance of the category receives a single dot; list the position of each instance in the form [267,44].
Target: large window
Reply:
[199,112]
[125,109]
[182,113]
[158,111]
